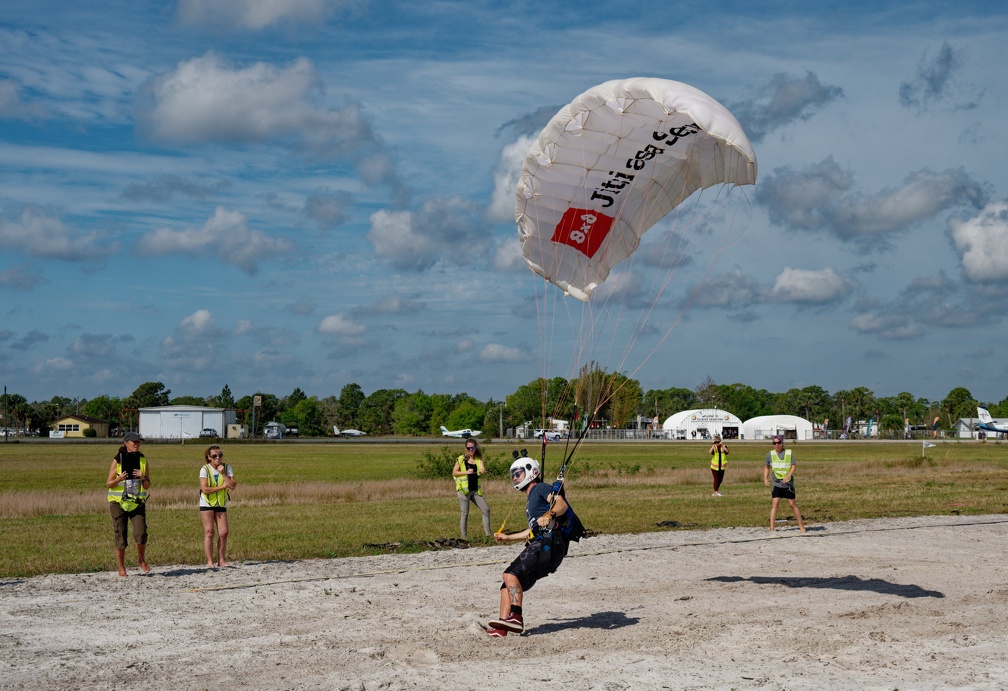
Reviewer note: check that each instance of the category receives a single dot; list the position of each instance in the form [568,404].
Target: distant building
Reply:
[766,426]
[969,428]
[184,421]
[702,423]
[74,426]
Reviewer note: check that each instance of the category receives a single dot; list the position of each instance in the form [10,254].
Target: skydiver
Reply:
[551,528]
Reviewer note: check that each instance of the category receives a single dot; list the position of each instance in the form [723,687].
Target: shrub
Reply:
[439,464]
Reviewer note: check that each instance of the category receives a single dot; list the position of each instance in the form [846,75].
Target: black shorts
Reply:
[783,492]
[540,558]
[215,509]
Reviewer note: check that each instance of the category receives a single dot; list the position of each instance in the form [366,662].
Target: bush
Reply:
[439,465]
[90,432]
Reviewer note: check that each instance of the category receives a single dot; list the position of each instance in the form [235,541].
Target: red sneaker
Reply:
[496,633]
[512,622]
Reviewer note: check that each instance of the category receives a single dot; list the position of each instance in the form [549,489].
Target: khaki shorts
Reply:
[121,520]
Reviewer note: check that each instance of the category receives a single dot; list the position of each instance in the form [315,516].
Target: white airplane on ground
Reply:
[348,432]
[987,422]
[460,433]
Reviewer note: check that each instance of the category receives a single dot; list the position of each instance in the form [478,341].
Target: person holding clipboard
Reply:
[128,483]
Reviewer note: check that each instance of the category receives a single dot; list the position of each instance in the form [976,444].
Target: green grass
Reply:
[321,500]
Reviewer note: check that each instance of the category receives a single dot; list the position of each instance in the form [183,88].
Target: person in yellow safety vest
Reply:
[466,472]
[780,466]
[718,463]
[128,483]
[216,480]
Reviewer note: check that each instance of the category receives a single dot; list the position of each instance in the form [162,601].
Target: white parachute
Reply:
[611,164]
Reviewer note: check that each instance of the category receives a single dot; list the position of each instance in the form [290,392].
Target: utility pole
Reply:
[256,401]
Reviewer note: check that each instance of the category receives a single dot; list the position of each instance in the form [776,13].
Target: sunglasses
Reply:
[216,455]
[778,442]
[517,473]
[470,448]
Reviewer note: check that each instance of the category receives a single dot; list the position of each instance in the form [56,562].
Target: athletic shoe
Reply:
[496,633]
[512,622]
[716,494]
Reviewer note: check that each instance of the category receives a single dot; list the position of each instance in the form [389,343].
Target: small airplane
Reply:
[988,423]
[460,433]
[348,432]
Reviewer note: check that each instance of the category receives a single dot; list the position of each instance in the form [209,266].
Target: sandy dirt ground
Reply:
[910,603]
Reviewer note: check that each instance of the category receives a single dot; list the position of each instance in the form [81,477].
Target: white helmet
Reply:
[530,469]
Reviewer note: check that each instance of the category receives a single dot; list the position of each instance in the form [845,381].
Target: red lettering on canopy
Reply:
[583,229]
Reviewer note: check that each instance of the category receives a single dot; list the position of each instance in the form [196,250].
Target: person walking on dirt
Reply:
[781,466]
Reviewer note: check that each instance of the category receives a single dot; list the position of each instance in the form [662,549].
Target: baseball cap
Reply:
[778,437]
[132,436]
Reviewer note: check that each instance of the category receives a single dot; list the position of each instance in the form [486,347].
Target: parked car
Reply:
[208,432]
[550,434]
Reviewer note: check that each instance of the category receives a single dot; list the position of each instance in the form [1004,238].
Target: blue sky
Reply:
[273,194]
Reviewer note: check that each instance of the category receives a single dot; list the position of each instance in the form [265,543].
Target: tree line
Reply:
[603,398]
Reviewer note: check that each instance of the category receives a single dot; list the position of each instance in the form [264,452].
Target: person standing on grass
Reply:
[780,463]
[216,479]
[128,484]
[719,460]
[466,472]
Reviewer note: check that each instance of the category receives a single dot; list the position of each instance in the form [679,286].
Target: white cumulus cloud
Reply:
[226,235]
[38,234]
[810,286]
[494,352]
[340,325]
[254,14]
[982,243]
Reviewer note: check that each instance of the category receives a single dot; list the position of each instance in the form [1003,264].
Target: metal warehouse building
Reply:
[184,421]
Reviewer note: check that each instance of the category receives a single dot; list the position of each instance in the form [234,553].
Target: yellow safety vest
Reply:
[780,466]
[462,483]
[220,497]
[117,493]
[719,459]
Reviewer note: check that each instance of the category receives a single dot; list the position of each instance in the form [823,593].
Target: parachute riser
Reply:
[558,484]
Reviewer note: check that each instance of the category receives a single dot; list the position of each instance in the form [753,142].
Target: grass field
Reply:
[309,500]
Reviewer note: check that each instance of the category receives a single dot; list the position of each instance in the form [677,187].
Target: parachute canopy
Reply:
[611,164]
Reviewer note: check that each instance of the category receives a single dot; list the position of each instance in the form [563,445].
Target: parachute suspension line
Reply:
[660,142]
[550,307]
[561,479]
[699,286]
[616,302]
[506,517]
[678,257]
[676,189]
